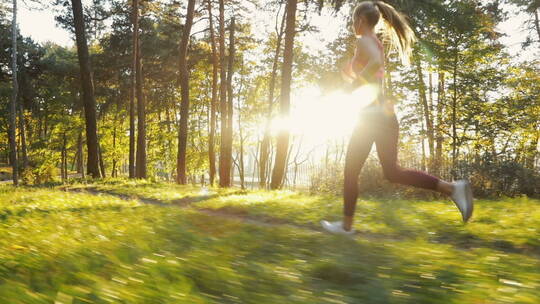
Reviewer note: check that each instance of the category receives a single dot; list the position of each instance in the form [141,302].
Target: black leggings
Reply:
[381,128]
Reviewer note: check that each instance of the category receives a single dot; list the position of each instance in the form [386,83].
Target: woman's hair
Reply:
[397,30]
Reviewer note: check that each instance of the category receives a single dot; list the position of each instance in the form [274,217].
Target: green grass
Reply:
[71,247]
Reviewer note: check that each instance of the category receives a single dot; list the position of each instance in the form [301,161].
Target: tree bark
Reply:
[454,113]
[224,175]
[265,144]
[13,102]
[286,73]
[63,166]
[80,158]
[227,135]
[22,132]
[439,135]
[101,163]
[140,159]
[211,139]
[135,37]
[241,168]
[114,161]
[87,88]
[184,107]
[426,108]
[537,23]
[423,130]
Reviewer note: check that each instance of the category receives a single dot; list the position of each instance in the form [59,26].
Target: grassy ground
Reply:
[84,247]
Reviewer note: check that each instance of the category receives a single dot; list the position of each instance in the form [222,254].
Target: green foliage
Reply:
[495,177]
[327,179]
[43,168]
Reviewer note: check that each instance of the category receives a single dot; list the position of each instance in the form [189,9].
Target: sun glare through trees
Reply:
[319,117]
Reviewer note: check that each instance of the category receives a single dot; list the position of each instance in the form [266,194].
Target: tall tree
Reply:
[140,162]
[227,133]
[87,88]
[537,19]
[135,26]
[13,102]
[22,132]
[439,127]
[265,144]
[184,86]
[215,66]
[425,106]
[224,170]
[283,137]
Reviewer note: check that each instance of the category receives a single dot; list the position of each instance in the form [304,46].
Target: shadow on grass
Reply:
[6,214]
[260,265]
[462,239]
[182,202]
[386,212]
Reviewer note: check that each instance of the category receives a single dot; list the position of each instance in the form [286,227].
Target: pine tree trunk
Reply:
[265,144]
[224,175]
[439,135]
[454,115]
[184,107]
[212,135]
[80,157]
[140,156]
[114,161]
[537,23]
[88,90]
[431,160]
[283,136]
[227,134]
[45,123]
[135,46]
[13,103]
[22,132]
[241,168]
[422,138]
[101,163]
[63,166]
[425,106]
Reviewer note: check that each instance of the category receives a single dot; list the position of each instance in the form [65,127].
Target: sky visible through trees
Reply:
[39,24]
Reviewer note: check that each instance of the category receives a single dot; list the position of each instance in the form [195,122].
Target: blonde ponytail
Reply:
[398,30]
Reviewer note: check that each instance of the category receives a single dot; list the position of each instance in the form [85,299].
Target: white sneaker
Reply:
[463,198]
[336,228]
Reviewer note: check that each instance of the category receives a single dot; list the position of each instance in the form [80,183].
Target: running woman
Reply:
[378,123]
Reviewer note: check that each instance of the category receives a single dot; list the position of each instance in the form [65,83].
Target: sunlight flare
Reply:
[321,117]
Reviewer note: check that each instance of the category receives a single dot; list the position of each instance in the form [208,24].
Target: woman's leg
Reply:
[387,141]
[357,153]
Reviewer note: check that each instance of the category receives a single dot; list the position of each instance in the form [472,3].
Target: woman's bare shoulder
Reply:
[364,42]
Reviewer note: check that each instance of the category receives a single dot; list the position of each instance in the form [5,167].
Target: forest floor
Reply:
[120,241]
